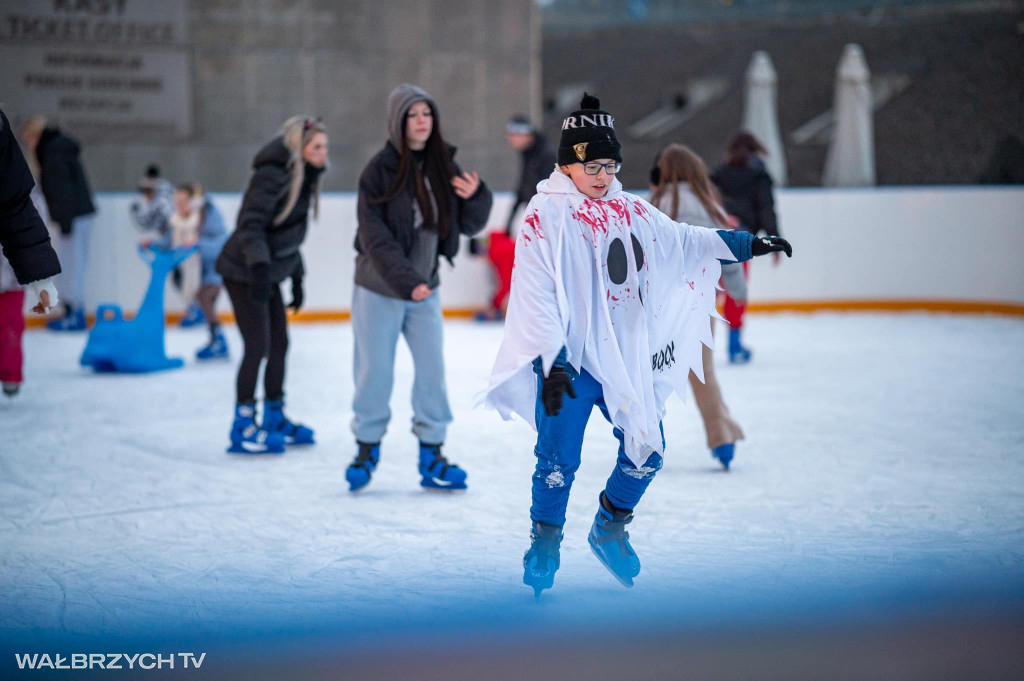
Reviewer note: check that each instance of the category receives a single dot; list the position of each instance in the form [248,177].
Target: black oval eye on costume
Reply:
[638,253]
[618,268]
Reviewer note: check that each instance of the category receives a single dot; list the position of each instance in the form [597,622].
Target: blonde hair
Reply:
[678,163]
[297,132]
[34,126]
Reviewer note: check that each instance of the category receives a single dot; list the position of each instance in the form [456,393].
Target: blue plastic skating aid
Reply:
[136,346]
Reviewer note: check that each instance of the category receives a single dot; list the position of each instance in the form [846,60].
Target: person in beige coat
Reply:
[681,189]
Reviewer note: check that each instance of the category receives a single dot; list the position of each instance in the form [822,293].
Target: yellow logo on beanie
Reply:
[581,150]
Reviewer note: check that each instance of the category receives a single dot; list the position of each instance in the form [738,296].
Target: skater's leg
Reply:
[628,482]
[559,443]
[376,324]
[207,299]
[81,232]
[254,324]
[12,326]
[719,426]
[273,376]
[423,328]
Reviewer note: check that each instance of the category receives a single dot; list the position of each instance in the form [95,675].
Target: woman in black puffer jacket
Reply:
[261,253]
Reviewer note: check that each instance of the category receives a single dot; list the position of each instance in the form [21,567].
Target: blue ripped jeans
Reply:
[559,444]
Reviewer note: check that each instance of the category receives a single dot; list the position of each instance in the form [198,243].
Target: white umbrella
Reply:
[761,116]
[851,155]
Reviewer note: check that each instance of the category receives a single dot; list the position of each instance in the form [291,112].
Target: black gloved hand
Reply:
[552,389]
[298,295]
[259,288]
[763,245]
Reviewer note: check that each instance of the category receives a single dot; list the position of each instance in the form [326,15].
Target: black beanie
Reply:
[588,134]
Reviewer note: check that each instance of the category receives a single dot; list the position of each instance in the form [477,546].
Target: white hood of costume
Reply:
[626,290]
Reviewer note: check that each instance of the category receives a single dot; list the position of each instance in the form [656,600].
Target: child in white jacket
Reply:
[611,302]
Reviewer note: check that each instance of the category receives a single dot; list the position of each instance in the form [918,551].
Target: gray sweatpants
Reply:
[377,322]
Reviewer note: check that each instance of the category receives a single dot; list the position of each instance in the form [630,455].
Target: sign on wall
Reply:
[114,70]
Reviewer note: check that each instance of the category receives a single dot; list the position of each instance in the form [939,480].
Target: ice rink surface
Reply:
[882,478]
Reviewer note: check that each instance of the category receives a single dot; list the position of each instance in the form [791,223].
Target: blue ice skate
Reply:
[362,467]
[610,542]
[542,559]
[724,454]
[193,316]
[248,438]
[137,345]
[217,348]
[274,421]
[737,353]
[437,472]
[74,320]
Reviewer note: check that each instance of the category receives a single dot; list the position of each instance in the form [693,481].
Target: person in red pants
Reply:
[732,310]
[28,256]
[12,325]
[502,254]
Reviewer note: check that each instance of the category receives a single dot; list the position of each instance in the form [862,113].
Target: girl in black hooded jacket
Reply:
[261,253]
[414,203]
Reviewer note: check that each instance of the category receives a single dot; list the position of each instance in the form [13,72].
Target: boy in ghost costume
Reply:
[610,303]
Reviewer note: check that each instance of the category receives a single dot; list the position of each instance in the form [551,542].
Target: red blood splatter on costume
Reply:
[595,214]
[533,220]
[621,210]
[642,211]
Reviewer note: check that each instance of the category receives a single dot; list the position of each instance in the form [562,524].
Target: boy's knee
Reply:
[554,472]
[646,471]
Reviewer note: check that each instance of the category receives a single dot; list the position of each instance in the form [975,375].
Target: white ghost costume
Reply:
[626,290]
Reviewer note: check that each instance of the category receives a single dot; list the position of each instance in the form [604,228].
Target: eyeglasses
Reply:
[595,168]
[310,122]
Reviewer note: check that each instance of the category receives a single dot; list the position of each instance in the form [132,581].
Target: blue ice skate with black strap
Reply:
[248,438]
[724,454]
[274,421]
[541,561]
[437,472]
[362,467]
[217,349]
[609,541]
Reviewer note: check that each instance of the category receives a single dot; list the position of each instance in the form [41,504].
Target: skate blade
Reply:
[624,581]
[240,449]
[434,485]
[444,490]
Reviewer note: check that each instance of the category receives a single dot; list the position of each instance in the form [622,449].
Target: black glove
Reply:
[763,245]
[259,287]
[556,383]
[298,296]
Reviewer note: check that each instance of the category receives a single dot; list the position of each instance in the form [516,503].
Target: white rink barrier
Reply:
[944,247]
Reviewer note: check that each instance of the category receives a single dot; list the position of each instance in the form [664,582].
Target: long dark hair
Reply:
[741,147]
[438,171]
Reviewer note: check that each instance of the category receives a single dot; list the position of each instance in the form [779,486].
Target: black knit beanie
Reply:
[588,134]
